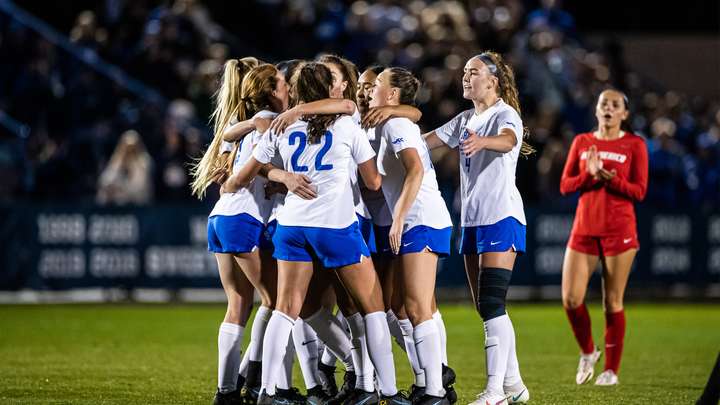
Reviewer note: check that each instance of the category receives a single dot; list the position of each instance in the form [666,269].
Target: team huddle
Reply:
[329,198]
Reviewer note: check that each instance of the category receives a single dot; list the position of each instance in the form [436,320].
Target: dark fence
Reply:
[64,247]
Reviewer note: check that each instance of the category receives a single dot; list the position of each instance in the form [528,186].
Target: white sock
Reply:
[274,345]
[306,342]
[284,380]
[330,330]
[512,374]
[443,335]
[410,349]
[327,358]
[257,333]
[427,343]
[395,330]
[230,338]
[380,349]
[364,371]
[498,333]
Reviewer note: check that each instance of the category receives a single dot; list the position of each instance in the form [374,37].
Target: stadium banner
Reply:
[69,247]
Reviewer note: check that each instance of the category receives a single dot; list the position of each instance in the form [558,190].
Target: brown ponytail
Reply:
[313,82]
[507,90]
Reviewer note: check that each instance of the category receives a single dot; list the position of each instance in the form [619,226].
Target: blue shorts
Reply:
[240,233]
[382,240]
[333,247]
[267,235]
[419,237]
[368,234]
[498,237]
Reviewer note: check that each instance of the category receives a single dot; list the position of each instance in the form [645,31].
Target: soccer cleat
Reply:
[451,395]
[290,396]
[490,398]
[415,393]
[431,400]
[586,366]
[265,399]
[250,395]
[345,390]
[448,376]
[327,378]
[362,397]
[518,394]
[317,396]
[228,398]
[397,399]
[448,379]
[606,379]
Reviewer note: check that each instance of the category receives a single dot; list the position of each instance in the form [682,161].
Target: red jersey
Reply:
[606,207]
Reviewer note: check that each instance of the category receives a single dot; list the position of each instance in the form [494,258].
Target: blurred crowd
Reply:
[91,137]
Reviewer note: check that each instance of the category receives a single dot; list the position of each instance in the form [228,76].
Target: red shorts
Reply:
[603,245]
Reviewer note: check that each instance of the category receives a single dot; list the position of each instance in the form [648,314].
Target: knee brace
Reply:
[492,289]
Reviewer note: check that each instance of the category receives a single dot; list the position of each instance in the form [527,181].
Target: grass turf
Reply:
[142,354]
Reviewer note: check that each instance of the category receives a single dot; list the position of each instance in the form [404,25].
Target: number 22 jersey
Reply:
[326,163]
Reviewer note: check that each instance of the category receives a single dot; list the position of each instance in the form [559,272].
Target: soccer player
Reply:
[421,225]
[609,167]
[236,223]
[325,227]
[400,326]
[490,139]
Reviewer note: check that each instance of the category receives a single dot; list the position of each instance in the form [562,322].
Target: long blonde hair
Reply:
[227,101]
[507,91]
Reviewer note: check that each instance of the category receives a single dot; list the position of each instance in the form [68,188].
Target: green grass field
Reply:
[157,354]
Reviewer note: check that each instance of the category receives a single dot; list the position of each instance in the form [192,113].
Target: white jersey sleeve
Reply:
[362,151]
[452,131]
[510,119]
[226,147]
[264,152]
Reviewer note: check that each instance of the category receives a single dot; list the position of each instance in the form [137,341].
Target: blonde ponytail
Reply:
[227,105]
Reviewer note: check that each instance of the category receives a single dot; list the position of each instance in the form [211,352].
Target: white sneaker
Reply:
[518,394]
[586,366]
[490,398]
[607,378]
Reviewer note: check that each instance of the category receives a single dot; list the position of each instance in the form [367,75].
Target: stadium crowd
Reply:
[84,127]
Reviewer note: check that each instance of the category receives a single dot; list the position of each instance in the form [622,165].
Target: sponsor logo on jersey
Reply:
[617,157]
[397,141]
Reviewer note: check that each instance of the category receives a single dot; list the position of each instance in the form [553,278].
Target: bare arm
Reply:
[238,131]
[319,107]
[370,175]
[243,177]
[502,143]
[414,173]
[299,184]
[378,115]
[432,140]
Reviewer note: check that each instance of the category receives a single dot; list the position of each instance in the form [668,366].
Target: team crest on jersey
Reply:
[397,141]
[604,155]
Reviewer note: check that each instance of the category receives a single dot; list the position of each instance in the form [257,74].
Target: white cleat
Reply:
[586,366]
[518,394]
[607,378]
[490,398]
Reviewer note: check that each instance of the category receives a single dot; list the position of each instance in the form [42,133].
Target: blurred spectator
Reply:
[176,47]
[127,179]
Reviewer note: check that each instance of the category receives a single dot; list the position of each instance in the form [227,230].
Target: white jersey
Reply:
[360,207]
[487,180]
[248,200]
[375,200]
[326,163]
[428,209]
